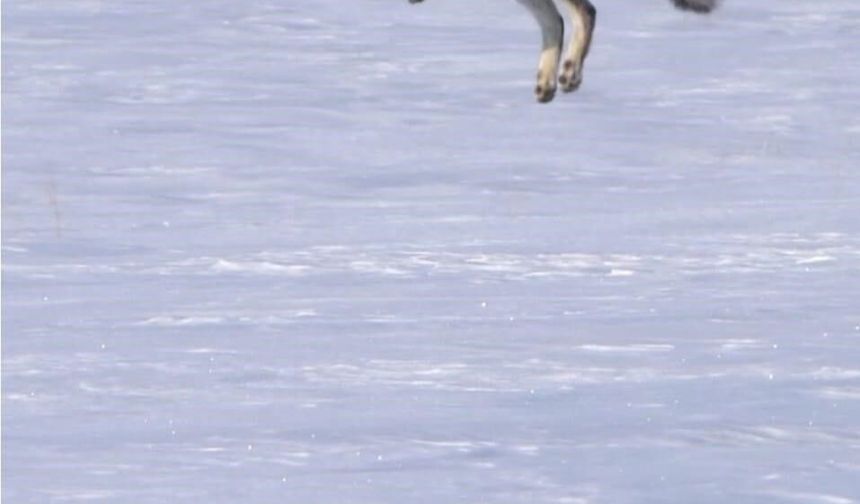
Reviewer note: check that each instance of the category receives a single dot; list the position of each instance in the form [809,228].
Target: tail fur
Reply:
[700,6]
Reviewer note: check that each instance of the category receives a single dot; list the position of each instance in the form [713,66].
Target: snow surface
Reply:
[331,252]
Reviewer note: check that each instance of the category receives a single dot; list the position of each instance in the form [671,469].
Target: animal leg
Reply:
[552,32]
[584,16]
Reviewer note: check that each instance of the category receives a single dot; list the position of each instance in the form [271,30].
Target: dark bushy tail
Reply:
[700,6]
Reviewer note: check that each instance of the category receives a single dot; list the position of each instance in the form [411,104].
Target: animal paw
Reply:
[571,76]
[546,86]
[544,94]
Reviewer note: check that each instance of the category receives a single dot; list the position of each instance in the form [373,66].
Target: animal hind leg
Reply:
[552,32]
[584,16]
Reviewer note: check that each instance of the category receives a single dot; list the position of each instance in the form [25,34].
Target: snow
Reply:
[331,251]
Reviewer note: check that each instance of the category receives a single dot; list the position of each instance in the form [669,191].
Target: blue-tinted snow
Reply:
[331,252]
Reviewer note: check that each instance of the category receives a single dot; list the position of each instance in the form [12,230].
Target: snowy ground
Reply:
[330,251]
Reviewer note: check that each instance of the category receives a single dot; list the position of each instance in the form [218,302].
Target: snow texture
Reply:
[330,251]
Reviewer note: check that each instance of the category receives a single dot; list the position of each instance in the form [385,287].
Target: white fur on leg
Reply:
[547,74]
[552,31]
[583,15]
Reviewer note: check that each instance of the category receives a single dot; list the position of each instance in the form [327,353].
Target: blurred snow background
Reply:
[332,252]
